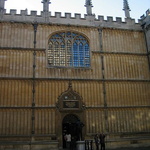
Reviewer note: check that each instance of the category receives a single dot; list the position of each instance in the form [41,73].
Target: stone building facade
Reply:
[58,70]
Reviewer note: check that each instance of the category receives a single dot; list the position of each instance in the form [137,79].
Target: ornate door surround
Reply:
[69,103]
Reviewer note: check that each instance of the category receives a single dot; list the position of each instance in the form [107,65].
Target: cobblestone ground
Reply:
[131,148]
[126,148]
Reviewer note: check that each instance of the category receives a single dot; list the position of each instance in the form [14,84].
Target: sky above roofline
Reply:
[100,7]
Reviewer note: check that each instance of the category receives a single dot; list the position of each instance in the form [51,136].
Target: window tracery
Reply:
[68,49]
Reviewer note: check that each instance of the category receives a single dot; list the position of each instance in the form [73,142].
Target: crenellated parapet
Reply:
[145,21]
[68,19]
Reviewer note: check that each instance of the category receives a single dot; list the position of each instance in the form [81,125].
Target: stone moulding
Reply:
[70,100]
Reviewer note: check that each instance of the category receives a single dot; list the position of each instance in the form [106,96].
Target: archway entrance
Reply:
[71,114]
[69,126]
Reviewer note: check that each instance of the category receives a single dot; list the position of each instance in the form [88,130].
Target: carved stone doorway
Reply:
[69,126]
[70,110]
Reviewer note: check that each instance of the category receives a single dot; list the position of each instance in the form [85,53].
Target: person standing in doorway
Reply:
[68,140]
[102,141]
[96,138]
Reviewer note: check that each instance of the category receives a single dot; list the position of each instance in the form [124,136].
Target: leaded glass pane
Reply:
[75,55]
[68,49]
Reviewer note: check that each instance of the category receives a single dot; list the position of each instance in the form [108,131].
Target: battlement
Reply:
[68,19]
[145,19]
[147,14]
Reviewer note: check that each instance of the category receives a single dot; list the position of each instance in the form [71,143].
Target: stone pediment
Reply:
[70,100]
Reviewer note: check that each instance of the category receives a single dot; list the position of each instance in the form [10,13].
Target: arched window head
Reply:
[68,49]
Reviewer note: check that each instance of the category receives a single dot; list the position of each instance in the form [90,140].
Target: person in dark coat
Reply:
[96,138]
[102,141]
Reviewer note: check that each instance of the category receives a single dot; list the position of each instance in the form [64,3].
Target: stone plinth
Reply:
[80,145]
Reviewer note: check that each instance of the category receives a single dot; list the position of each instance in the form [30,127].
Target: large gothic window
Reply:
[68,49]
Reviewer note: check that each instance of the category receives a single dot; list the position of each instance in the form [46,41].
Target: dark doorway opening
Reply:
[69,126]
